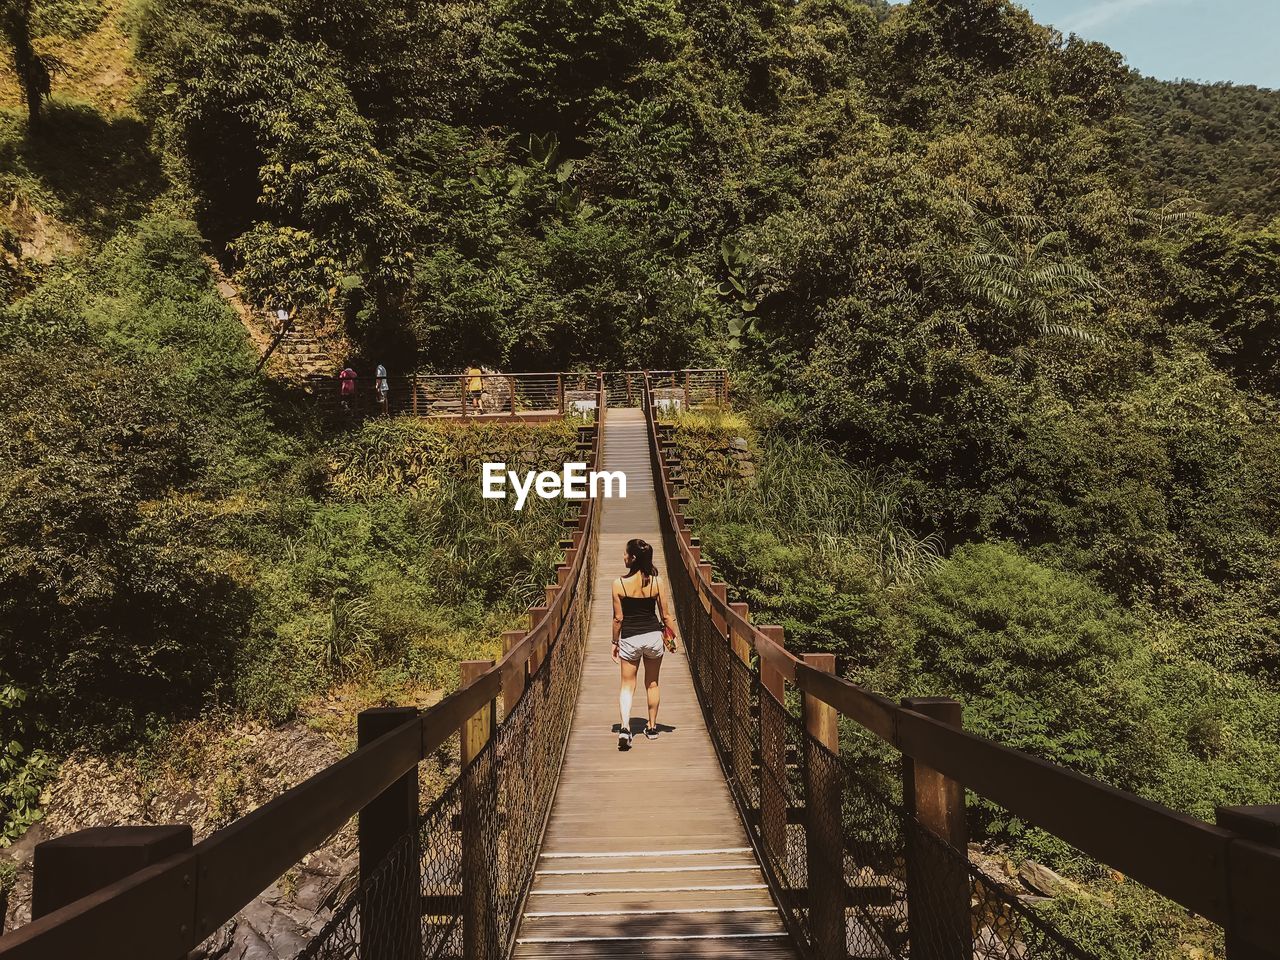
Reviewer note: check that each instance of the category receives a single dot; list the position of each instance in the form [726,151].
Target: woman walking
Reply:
[643,628]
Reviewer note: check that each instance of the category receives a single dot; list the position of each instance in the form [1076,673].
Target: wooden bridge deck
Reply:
[645,855]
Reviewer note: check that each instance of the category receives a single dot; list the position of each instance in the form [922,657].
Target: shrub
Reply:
[1046,662]
[1126,921]
[97,609]
[23,773]
[1042,659]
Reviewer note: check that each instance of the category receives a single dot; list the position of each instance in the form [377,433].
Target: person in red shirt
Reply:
[347,386]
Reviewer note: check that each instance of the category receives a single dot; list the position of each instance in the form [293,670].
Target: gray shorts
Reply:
[648,644]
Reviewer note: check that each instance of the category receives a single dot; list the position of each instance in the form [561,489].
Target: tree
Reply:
[23,771]
[99,607]
[1229,278]
[32,68]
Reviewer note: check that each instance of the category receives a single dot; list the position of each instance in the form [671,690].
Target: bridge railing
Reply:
[675,389]
[485,395]
[447,883]
[521,395]
[864,871]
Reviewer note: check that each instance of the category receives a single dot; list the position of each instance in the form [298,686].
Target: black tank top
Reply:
[639,614]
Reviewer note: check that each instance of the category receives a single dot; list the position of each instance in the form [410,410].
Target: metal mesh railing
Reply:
[455,888]
[888,888]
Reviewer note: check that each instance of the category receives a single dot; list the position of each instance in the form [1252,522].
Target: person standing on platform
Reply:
[347,387]
[475,388]
[382,389]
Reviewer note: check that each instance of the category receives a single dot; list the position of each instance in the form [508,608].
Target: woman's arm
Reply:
[664,608]
[617,619]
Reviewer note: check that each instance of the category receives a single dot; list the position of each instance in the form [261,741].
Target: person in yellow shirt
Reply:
[475,386]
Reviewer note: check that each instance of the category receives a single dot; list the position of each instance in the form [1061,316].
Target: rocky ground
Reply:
[213,774]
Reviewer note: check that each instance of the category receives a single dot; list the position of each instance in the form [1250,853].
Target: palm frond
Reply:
[1067,330]
[944,322]
[1056,240]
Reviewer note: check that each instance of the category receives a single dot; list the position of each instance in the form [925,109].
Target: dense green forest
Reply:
[1218,143]
[1004,318]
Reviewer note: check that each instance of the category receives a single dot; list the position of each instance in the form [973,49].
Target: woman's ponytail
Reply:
[641,555]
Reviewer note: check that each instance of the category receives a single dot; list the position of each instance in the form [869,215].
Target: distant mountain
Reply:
[1218,142]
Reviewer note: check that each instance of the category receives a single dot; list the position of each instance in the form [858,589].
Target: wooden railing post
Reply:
[560,392]
[536,615]
[390,909]
[513,684]
[1258,825]
[824,820]
[69,867]
[939,916]
[773,753]
[479,836]
[721,592]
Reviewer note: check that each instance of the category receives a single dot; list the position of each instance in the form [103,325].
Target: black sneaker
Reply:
[651,733]
[624,739]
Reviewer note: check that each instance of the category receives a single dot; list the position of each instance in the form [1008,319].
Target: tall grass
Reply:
[484,543]
[384,560]
[807,493]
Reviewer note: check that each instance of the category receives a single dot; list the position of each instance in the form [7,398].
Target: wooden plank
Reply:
[713,949]
[725,949]
[719,860]
[721,894]
[631,923]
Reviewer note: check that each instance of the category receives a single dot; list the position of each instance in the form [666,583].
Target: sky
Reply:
[1207,40]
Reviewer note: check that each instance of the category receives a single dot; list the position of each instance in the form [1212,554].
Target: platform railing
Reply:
[448,883]
[865,869]
[531,396]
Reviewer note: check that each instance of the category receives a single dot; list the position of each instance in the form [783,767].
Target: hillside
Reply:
[215,574]
[1014,403]
[1218,143]
[93,50]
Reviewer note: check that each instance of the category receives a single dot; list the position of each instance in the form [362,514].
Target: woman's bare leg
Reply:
[626,693]
[652,667]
